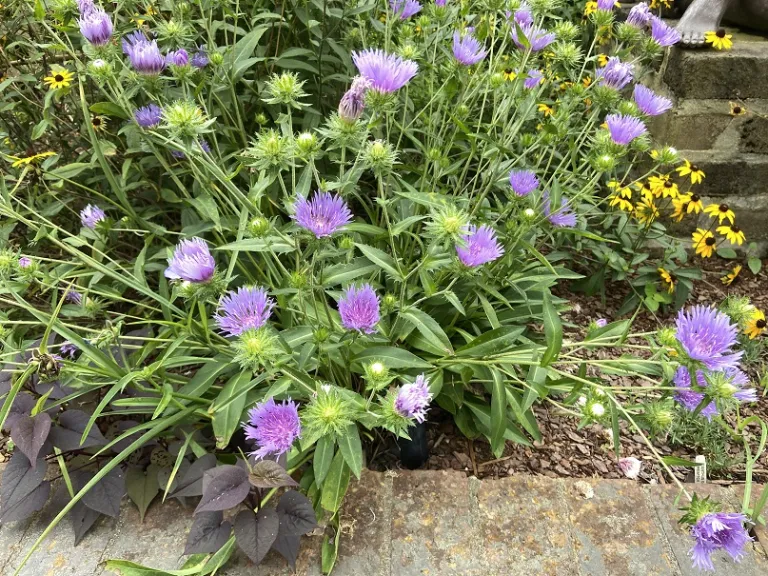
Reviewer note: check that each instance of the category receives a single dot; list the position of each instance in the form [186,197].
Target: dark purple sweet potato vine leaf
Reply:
[22,489]
[297,516]
[208,533]
[226,487]
[256,532]
[191,483]
[29,433]
[67,434]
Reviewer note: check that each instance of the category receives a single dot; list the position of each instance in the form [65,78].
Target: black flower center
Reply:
[709,241]
[720,33]
[723,208]
[737,109]
[760,324]
[694,197]
[668,184]
[735,229]
[96,122]
[694,168]
[58,78]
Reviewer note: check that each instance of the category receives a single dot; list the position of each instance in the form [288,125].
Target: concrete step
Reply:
[741,72]
[706,124]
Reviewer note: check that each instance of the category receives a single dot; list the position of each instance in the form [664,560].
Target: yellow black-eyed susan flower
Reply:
[668,279]
[680,205]
[755,325]
[509,74]
[733,233]
[589,8]
[704,242]
[546,110]
[646,211]
[695,205]
[696,174]
[59,78]
[655,4]
[622,203]
[623,191]
[602,59]
[99,123]
[721,212]
[663,187]
[30,159]
[731,277]
[719,39]
[586,81]
[737,109]
[645,191]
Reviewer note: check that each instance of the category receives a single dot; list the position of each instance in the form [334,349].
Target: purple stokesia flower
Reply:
[73,297]
[630,467]
[91,215]
[615,74]
[148,116]
[359,309]
[440,3]
[85,6]
[405,8]
[385,72]
[200,58]
[68,349]
[537,37]
[523,182]
[601,322]
[649,102]
[663,34]
[323,215]
[562,218]
[144,54]
[707,336]
[606,5]
[740,380]
[639,16]
[352,103]
[523,15]
[247,309]
[178,57]
[413,399]
[688,398]
[96,26]
[624,128]
[273,427]
[534,78]
[24,262]
[718,531]
[480,246]
[467,50]
[191,262]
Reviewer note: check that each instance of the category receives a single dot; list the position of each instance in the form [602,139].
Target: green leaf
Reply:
[498,413]
[226,420]
[392,357]
[553,330]
[69,171]
[142,487]
[40,129]
[109,109]
[755,264]
[205,377]
[272,244]
[321,460]
[726,252]
[335,485]
[493,342]
[382,259]
[428,327]
[675,461]
[343,273]
[39,10]
[352,449]
[125,568]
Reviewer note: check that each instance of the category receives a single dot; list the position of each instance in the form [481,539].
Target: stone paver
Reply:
[425,523]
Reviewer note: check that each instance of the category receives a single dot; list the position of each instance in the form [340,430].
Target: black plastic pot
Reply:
[414,452]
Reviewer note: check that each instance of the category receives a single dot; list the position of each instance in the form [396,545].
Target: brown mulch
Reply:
[566,451]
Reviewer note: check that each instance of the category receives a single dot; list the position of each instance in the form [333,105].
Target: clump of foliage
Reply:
[255,238]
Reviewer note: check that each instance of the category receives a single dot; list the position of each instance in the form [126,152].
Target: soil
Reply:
[565,450]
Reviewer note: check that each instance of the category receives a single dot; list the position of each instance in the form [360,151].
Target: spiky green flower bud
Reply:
[566,53]
[604,162]
[259,227]
[256,348]
[659,415]
[566,31]
[377,375]
[298,279]
[666,155]
[448,222]
[184,118]
[328,413]
[285,88]
[307,145]
[379,156]
[270,150]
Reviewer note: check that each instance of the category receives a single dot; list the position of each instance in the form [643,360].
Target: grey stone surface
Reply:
[425,523]
[728,74]
[615,532]
[733,174]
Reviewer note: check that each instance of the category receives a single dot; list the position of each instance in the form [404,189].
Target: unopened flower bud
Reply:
[259,226]
[379,156]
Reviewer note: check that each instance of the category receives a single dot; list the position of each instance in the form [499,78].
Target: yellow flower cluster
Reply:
[662,191]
